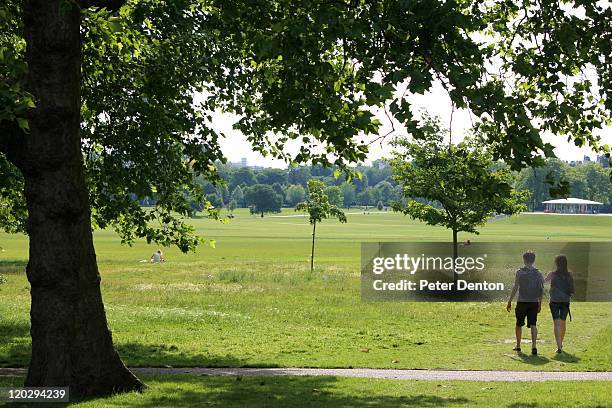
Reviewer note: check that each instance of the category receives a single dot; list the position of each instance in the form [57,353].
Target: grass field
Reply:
[252,301]
[252,392]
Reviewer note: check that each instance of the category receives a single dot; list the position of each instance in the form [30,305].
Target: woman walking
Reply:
[561,290]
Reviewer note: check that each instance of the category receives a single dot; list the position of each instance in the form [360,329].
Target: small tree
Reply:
[318,209]
[263,199]
[379,206]
[459,186]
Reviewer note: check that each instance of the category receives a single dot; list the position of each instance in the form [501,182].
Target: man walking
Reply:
[529,283]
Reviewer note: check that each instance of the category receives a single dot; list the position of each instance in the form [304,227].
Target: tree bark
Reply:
[314,230]
[71,342]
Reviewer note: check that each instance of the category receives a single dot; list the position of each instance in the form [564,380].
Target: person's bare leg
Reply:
[558,338]
[562,332]
[534,336]
[518,330]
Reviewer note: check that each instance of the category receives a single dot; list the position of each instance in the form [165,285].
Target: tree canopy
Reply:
[262,199]
[153,72]
[456,186]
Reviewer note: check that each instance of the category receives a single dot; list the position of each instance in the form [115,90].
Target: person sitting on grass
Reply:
[529,283]
[158,256]
[561,289]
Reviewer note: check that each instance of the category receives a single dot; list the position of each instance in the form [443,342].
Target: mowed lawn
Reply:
[337,392]
[252,301]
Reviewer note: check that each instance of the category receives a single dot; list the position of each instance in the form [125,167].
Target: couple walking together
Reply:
[529,283]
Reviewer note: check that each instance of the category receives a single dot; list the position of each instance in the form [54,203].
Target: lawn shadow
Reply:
[531,359]
[163,355]
[566,358]
[15,346]
[13,267]
[275,391]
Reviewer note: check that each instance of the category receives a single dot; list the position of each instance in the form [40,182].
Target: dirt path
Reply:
[430,375]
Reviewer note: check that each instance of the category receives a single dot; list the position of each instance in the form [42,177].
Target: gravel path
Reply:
[427,375]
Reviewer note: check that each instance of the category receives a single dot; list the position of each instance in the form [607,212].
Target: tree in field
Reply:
[462,183]
[348,194]
[318,208]
[278,189]
[295,194]
[238,196]
[102,101]
[368,197]
[263,199]
[334,195]
[385,192]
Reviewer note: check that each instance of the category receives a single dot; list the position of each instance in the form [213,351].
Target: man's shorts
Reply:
[559,310]
[526,309]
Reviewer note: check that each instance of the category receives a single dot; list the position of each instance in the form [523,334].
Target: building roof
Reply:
[571,200]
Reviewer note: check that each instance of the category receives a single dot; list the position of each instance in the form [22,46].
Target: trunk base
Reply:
[106,383]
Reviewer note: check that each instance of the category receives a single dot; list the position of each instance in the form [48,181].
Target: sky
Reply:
[436,102]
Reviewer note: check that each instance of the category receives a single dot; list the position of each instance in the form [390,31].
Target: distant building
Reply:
[242,163]
[572,206]
[604,161]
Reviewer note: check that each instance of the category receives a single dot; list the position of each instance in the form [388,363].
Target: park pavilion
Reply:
[572,206]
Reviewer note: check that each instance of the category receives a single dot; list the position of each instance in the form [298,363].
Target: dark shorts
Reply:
[559,310]
[528,310]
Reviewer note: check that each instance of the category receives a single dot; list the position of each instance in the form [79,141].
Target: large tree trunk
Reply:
[71,342]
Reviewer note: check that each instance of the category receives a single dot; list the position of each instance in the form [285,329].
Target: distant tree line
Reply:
[269,189]
[587,180]
[266,190]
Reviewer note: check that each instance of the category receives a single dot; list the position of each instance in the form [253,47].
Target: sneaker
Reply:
[559,351]
[534,351]
[516,348]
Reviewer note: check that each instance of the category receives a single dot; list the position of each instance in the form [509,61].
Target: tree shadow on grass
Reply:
[162,355]
[15,344]
[278,391]
[13,267]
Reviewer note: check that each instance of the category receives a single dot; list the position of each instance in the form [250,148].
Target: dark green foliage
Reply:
[334,195]
[303,71]
[462,184]
[263,199]
[295,194]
